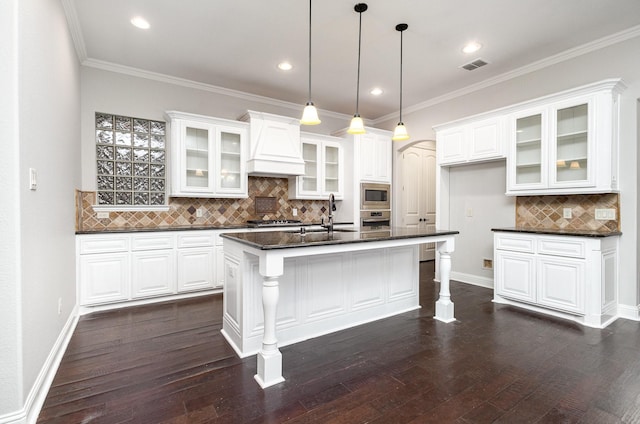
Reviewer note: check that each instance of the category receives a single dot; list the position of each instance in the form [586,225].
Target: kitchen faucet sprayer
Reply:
[332,208]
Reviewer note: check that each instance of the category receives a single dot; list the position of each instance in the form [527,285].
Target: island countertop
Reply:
[295,238]
[558,232]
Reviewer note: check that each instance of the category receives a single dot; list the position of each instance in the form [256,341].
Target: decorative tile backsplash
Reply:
[216,212]
[547,211]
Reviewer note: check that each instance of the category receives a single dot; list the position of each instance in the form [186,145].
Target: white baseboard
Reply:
[629,312]
[475,280]
[28,414]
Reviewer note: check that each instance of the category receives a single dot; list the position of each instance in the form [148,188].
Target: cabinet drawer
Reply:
[564,247]
[103,244]
[200,239]
[152,242]
[515,243]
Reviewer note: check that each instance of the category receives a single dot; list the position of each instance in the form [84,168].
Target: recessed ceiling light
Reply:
[376,91]
[471,47]
[285,66]
[140,22]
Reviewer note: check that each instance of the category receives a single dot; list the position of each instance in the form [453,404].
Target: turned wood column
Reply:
[269,358]
[444,305]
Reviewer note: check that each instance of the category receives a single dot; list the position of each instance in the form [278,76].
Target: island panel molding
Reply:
[336,280]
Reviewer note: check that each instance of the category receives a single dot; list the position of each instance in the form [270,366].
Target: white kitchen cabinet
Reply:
[324,169]
[568,276]
[375,154]
[152,265]
[208,156]
[514,275]
[196,261]
[566,144]
[152,273]
[471,140]
[123,267]
[105,278]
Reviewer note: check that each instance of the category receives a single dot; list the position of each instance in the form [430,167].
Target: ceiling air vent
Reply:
[474,65]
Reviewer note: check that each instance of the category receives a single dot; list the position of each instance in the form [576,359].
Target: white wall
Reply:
[44,134]
[619,60]
[132,95]
[10,347]
[476,205]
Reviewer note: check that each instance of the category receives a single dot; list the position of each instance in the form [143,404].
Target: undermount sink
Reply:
[324,230]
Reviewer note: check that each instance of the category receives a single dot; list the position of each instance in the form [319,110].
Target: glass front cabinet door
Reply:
[568,145]
[529,168]
[231,175]
[197,158]
[571,146]
[323,169]
[207,156]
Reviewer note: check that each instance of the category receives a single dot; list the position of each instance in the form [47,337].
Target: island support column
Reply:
[444,305]
[269,358]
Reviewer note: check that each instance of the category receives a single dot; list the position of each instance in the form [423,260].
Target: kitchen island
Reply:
[282,287]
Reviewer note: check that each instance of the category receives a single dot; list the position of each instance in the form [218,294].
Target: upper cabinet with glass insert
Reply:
[566,143]
[208,156]
[323,169]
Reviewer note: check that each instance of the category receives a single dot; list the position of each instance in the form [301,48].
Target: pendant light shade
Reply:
[310,113]
[357,125]
[400,133]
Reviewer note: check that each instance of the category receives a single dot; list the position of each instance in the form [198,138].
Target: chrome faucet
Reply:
[332,208]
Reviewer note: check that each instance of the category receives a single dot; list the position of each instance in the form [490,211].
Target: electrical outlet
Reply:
[294,211]
[103,215]
[605,214]
[199,213]
[469,212]
[566,213]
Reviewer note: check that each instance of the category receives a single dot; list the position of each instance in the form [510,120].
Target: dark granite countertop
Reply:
[565,232]
[287,239]
[199,228]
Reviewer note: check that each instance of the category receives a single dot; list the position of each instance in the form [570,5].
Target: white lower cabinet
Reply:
[105,278]
[196,260]
[152,273]
[195,269]
[123,267]
[573,277]
[561,283]
[515,275]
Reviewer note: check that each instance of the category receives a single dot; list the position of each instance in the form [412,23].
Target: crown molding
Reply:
[74,29]
[592,46]
[155,76]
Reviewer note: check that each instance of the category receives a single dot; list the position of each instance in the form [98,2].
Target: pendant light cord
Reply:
[358,78]
[309,51]
[401,75]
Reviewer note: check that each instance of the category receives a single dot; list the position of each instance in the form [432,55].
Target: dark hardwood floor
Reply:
[168,363]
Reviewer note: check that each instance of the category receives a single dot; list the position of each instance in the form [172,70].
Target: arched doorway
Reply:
[416,190]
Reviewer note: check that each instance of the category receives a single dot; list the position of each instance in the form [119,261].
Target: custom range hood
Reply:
[274,146]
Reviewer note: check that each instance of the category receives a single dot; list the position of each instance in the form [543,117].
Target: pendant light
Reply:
[310,113]
[357,125]
[400,133]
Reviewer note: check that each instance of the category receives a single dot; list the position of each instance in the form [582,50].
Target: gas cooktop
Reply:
[273,222]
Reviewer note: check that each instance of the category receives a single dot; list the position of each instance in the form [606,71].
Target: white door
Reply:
[418,193]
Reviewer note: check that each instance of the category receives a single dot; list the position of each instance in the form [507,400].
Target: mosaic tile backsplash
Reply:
[216,212]
[546,212]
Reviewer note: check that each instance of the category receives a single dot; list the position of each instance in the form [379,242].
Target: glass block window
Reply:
[130,156]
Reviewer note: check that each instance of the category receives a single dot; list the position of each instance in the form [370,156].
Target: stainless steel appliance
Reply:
[374,220]
[375,196]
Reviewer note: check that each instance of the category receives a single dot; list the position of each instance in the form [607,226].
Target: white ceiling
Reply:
[236,44]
